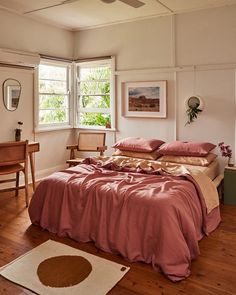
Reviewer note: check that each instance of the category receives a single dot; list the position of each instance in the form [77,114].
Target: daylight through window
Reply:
[95,99]
[53,94]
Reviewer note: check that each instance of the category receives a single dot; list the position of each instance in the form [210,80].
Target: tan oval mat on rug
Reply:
[55,268]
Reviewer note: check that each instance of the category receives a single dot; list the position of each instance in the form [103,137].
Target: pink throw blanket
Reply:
[156,219]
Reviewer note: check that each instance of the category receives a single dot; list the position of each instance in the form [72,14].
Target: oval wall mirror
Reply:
[11,89]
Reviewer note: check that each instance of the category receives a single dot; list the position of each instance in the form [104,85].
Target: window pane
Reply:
[52,86]
[97,101]
[53,101]
[94,97]
[52,72]
[53,116]
[94,73]
[94,119]
[94,88]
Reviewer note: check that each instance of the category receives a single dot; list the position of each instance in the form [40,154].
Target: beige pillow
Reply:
[196,161]
[148,155]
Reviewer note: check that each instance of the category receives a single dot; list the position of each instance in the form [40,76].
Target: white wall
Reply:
[190,39]
[20,33]
[197,38]
[138,45]
[141,44]
[24,112]
[206,36]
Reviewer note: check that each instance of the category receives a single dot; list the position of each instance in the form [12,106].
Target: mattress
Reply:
[212,171]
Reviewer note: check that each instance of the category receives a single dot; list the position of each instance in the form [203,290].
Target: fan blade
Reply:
[133,3]
[108,1]
[55,5]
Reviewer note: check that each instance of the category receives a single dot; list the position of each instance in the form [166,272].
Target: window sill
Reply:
[96,129]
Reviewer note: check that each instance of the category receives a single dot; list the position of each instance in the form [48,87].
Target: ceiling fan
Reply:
[133,3]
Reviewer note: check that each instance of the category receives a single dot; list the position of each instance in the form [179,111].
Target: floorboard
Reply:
[213,273]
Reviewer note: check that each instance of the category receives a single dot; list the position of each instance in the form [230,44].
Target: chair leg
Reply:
[26,190]
[17,183]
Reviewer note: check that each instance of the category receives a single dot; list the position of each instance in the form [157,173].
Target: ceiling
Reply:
[83,14]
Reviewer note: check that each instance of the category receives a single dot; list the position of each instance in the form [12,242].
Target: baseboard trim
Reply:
[39,175]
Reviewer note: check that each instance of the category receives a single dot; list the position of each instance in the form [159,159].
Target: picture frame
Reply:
[144,99]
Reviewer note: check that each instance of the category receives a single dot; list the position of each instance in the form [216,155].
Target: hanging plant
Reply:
[194,106]
[192,113]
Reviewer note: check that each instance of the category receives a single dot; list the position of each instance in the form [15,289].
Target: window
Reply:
[95,99]
[54,95]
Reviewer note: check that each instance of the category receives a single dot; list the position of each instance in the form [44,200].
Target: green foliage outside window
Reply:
[94,93]
[53,97]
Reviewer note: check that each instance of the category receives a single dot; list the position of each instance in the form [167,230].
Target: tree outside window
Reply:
[94,94]
[53,94]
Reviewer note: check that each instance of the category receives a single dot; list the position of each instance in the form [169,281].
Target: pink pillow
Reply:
[138,144]
[181,148]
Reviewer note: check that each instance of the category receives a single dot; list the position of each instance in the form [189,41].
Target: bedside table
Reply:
[230,185]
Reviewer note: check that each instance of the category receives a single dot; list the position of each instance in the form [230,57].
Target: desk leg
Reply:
[32,169]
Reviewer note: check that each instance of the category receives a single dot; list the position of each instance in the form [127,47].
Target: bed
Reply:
[149,211]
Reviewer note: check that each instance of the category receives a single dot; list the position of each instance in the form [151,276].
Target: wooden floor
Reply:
[213,273]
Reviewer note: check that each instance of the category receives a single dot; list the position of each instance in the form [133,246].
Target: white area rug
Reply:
[23,271]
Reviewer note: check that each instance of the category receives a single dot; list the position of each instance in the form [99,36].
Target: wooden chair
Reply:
[14,159]
[87,142]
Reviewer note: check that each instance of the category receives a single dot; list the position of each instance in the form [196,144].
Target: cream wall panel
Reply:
[9,119]
[216,122]
[53,151]
[206,36]
[201,38]
[141,44]
[21,33]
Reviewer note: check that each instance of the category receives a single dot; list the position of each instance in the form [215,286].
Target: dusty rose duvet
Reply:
[154,218]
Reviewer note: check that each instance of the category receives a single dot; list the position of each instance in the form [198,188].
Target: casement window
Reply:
[75,95]
[95,94]
[54,95]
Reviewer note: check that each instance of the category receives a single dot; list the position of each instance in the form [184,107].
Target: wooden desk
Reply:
[33,147]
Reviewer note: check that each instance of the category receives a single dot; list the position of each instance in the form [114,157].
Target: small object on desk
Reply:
[18,132]
[230,185]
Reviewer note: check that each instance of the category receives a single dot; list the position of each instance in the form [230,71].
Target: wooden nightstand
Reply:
[230,185]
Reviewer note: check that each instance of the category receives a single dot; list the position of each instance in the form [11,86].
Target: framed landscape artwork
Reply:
[144,99]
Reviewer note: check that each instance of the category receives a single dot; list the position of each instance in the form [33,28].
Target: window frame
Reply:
[87,63]
[55,126]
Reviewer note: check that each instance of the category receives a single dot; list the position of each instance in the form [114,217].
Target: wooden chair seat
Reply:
[11,169]
[14,159]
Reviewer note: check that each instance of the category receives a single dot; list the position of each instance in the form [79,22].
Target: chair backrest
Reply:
[14,152]
[90,141]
